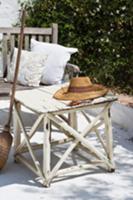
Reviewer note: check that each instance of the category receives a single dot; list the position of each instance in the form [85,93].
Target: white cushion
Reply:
[58,56]
[30,68]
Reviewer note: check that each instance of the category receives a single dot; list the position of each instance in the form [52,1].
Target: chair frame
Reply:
[11,37]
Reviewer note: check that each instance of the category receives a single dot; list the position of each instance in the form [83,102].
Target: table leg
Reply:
[73,120]
[46,150]
[109,138]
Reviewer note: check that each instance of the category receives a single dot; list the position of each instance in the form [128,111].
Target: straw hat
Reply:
[80,88]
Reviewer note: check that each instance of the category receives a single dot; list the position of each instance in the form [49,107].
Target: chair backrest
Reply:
[11,35]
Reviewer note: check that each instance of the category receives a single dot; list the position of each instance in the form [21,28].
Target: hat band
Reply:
[80,89]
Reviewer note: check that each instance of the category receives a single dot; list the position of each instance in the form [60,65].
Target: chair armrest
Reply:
[71,70]
[73,67]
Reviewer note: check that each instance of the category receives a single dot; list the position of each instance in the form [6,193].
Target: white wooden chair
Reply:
[10,40]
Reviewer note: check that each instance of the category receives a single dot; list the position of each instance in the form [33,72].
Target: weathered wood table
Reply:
[53,113]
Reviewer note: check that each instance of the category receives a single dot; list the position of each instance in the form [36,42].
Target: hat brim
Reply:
[95,91]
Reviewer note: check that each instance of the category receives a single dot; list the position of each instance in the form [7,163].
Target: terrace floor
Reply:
[17,182]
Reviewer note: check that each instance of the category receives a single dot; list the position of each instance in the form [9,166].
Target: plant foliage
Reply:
[102,30]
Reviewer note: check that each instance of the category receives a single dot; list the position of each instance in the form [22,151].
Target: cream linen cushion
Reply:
[58,56]
[30,69]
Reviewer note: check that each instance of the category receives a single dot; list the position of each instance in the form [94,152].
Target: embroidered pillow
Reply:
[58,56]
[30,69]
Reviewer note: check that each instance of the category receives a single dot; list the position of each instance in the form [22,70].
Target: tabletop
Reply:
[40,100]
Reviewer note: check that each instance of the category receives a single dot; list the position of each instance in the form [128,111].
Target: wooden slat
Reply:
[12,42]
[26,42]
[8,49]
[40,38]
[30,31]
[54,33]
[47,39]
[4,52]
[6,87]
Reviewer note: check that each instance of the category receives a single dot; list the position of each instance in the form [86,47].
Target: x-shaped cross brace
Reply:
[46,173]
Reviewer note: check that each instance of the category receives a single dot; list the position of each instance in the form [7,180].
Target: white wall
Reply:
[8,12]
[8,16]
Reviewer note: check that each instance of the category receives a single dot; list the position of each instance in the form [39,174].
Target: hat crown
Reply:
[79,84]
